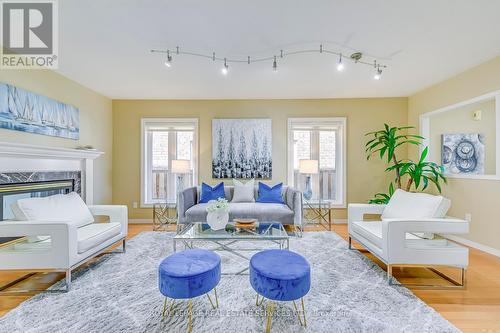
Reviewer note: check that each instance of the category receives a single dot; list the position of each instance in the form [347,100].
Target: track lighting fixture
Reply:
[340,65]
[356,58]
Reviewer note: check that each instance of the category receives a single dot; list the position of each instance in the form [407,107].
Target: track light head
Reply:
[225,69]
[378,74]
[340,64]
[275,65]
[168,62]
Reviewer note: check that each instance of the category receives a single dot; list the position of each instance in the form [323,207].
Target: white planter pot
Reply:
[217,220]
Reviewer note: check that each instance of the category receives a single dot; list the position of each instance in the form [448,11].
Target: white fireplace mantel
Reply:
[17,157]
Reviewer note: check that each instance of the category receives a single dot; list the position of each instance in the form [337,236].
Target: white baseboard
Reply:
[480,247]
[140,221]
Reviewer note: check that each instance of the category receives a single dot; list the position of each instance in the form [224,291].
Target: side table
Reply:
[318,211]
[164,214]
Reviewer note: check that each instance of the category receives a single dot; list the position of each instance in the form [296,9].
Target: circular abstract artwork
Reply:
[447,155]
[465,150]
[463,153]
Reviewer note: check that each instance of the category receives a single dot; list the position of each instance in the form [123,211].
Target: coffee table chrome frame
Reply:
[224,244]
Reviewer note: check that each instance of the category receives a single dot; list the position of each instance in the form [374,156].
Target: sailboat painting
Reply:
[22,110]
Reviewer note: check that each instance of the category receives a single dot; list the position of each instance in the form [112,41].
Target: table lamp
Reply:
[180,168]
[308,168]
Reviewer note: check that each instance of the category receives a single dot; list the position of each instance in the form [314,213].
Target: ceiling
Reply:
[105,45]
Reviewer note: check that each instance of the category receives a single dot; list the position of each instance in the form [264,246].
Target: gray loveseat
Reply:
[189,210]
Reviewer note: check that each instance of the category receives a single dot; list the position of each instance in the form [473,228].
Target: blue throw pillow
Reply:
[269,194]
[211,193]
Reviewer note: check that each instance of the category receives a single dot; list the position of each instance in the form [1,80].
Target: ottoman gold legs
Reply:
[165,307]
[257,302]
[216,299]
[269,313]
[190,308]
[190,305]
[303,312]
[270,308]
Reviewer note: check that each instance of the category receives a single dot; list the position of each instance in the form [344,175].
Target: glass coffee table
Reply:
[232,239]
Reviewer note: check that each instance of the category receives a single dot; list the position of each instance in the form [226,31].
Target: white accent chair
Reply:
[59,233]
[405,234]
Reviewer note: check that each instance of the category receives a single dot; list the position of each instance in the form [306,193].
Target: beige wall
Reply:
[95,120]
[364,178]
[478,197]
[460,120]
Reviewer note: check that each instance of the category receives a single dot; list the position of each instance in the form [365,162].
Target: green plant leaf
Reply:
[424,154]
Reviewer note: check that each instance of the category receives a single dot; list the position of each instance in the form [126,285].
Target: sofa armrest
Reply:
[186,199]
[293,199]
[60,255]
[394,234]
[355,212]
[427,219]
[425,225]
[116,213]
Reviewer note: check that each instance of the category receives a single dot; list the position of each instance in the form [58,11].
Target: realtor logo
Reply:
[29,34]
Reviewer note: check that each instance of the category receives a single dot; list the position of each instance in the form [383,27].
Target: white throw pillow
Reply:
[243,192]
[60,207]
[415,205]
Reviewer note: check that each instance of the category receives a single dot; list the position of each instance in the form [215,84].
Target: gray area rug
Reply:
[119,294]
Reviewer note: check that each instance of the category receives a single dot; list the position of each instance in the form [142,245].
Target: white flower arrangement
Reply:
[220,206]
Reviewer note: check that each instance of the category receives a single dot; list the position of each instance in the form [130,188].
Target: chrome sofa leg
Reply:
[461,284]
[68,279]
[389,274]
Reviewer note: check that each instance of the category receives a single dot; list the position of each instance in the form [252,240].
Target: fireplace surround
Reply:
[38,171]
[21,163]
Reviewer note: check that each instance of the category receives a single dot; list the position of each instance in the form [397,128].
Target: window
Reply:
[165,140]
[321,139]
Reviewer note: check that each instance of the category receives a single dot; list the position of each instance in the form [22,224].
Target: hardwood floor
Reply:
[476,309]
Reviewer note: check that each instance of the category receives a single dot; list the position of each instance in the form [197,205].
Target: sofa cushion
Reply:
[369,230]
[415,205]
[91,235]
[372,231]
[229,190]
[268,194]
[212,193]
[243,192]
[60,207]
[261,211]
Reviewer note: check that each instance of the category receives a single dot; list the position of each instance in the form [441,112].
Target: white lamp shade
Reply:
[181,166]
[308,166]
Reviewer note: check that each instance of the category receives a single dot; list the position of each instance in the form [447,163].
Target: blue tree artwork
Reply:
[22,110]
[242,148]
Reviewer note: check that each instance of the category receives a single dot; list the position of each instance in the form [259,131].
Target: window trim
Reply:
[340,151]
[172,122]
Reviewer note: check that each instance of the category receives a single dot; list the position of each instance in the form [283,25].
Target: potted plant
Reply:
[418,175]
[218,213]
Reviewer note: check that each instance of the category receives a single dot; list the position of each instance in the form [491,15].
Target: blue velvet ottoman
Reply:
[188,274]
[280,275]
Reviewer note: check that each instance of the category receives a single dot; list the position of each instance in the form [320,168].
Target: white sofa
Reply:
[405,234]
[59,234]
